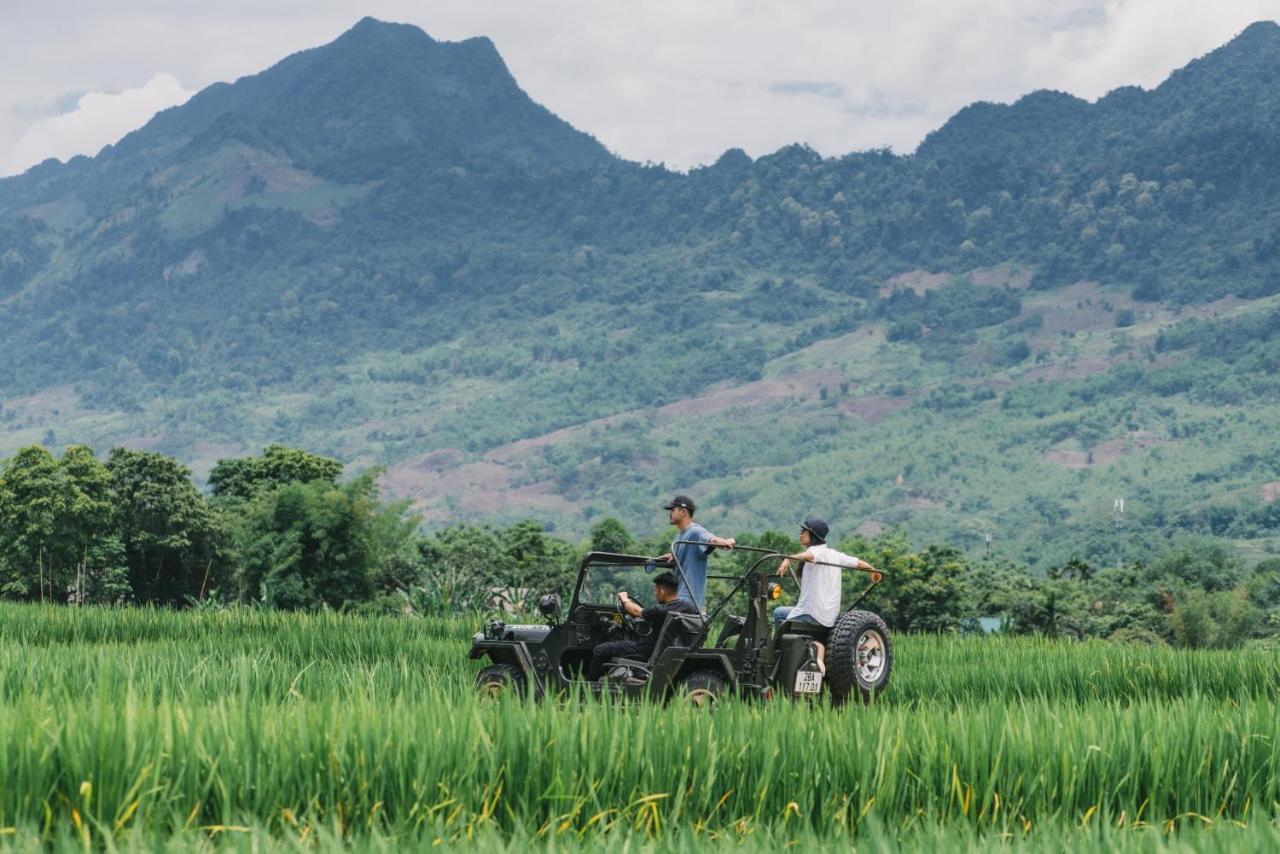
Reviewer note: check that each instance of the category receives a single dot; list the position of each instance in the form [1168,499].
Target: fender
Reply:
[509,652]
[676,661]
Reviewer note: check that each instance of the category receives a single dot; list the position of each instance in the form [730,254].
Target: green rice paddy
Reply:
[266,731]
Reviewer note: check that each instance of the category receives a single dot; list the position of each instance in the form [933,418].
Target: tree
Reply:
[1208,564]
[31,503]
[609,535]
[87,525]
[921,591]
[459,566]
[171,539]
[314,544]
[244,477]
[58,520]
[534,562]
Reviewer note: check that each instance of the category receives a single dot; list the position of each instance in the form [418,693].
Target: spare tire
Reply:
[859,657]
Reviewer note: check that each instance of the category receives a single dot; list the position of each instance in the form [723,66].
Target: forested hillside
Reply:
[382,249]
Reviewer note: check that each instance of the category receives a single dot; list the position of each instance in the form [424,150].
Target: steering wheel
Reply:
[637,628]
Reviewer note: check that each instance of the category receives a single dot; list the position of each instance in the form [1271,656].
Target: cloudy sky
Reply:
[676,81]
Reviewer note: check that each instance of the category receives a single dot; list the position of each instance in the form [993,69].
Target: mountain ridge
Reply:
[440,277]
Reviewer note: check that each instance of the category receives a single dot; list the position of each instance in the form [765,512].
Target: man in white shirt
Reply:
[820,577]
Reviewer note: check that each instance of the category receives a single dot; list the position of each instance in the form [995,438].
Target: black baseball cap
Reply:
[817,529]
[680,501]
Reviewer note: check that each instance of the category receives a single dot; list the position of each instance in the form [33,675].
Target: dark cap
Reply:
[817,529]
[680,501]
[667,580]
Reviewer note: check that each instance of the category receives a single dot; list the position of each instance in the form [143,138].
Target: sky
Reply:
[670,81]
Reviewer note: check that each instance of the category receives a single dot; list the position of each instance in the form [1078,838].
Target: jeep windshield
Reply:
[601,581]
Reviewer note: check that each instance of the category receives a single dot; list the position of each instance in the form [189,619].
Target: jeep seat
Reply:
[818,633]
[677,630]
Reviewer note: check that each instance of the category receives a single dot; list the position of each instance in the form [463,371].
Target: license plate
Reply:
[808,682]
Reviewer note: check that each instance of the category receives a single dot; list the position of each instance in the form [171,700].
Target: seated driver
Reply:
[664,591]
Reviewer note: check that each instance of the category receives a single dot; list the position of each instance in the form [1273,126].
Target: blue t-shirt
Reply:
[693,563]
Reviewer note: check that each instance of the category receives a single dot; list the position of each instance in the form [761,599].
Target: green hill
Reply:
[381,249]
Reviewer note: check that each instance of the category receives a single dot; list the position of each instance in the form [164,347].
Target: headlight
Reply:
[775,590]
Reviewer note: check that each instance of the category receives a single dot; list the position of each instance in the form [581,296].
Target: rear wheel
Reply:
[859,657]
[499,681]
[702,689]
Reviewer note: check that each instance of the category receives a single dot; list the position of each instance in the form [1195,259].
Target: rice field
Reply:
[260,731]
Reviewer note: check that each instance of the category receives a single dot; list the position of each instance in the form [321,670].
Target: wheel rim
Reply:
[702,698]
[870,656]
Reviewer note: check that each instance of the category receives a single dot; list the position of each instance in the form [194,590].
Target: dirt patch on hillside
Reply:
[1270,491]
[524,448]
[41,409]
[1113,449]
[1076,308]
[1003,275]
[803,385]
[442,486]
[920,281]
[1103,453]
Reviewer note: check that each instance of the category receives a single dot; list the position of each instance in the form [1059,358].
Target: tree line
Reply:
[283,530]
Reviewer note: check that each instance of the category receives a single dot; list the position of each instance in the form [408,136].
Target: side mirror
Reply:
[650,566]
[549,606]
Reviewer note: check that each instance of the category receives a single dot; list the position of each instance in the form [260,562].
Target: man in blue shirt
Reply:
[691,556]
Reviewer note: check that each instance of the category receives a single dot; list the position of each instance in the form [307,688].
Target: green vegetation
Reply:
[280,531]
[383,250]
[242,725]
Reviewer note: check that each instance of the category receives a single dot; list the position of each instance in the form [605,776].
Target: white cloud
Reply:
[96,120]
[664,80]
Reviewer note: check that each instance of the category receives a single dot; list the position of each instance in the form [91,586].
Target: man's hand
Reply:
[666,558]
[623,596]
[723,542]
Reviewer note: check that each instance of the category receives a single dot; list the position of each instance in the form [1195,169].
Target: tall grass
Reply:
[144,725]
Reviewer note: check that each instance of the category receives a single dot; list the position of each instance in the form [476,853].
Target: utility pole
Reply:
[1117,512]
[988,544]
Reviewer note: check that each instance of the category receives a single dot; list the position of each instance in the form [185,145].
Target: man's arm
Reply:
[631,606]
[722,542]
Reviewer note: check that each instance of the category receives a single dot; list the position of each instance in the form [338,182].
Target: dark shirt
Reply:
[657,615]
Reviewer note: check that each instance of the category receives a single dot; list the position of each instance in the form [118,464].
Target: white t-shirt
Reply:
[820,585]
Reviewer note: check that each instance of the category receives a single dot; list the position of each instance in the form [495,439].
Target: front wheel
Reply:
[499,681]
[859,657]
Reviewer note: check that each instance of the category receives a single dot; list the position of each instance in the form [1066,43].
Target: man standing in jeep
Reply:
[692,554]
[664,592]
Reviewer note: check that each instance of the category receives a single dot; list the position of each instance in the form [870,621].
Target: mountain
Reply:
[383,250]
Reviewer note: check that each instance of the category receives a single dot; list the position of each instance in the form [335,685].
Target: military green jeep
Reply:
[749,658]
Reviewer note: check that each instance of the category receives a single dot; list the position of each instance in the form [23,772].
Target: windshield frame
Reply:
[605,559]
